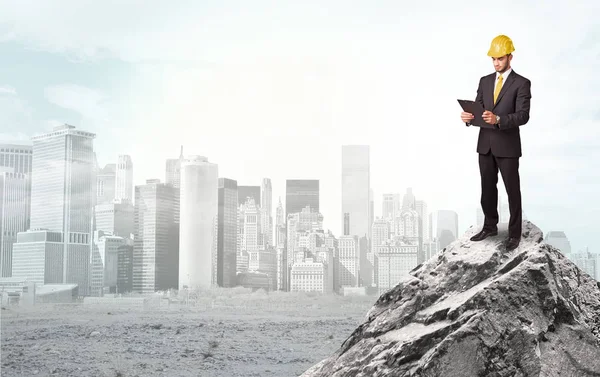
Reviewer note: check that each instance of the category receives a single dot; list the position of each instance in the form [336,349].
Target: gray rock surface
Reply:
[475,309]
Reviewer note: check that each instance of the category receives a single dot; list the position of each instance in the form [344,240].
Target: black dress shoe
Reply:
[512,243]
[484,234]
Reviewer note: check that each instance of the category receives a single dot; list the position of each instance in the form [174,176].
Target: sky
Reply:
[274,89]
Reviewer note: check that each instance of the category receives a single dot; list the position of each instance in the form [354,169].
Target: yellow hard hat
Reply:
[501,45]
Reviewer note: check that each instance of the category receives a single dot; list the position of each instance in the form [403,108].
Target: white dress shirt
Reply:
[504,77]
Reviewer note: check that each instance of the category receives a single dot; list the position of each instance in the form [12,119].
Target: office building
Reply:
[156,237]
[124,179]
[57,247]
[356,190]
[198,222]
[227,233]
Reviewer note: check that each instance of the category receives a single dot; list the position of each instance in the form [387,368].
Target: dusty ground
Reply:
[248,334]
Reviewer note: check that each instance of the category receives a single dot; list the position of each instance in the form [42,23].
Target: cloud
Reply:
[7,90]
[49,125]
[15,113]
[18,137]
[91,104]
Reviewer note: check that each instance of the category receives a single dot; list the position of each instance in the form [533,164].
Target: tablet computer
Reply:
[477,110]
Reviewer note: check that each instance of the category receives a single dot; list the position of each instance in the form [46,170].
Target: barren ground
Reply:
[225,334]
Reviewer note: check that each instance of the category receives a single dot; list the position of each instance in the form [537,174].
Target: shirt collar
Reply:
[504,75]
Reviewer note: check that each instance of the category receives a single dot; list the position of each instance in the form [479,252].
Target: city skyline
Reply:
[255,190]
[279,105]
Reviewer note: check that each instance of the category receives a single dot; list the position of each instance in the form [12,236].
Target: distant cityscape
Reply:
[71,229]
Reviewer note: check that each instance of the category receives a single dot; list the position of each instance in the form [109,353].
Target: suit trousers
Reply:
[509,168]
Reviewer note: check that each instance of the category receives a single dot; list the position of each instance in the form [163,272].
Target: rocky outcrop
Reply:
[475,309]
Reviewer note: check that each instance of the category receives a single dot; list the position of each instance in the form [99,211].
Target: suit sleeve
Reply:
[479,97]
[521,114]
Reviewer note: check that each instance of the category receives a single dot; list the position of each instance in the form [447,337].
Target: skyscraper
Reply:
[300,193]
[15,168]
[267,207]
[106,183]
[371,211]
[390,206]
[253,233]
[115,218]
[408,201]
[124,179]
[421,208]
[173,170]
[156,240]
[227,233]
[279,226]
[198,216]
[356,188]
[62,199]
[15,199]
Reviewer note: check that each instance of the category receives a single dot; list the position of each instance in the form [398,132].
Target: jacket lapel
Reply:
[489,93]
[505,86]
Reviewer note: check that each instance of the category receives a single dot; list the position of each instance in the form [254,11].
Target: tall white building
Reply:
[57,247]
[356,190]
[124,179]
[198,221]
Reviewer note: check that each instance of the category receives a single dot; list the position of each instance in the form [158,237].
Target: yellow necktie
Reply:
[498,88]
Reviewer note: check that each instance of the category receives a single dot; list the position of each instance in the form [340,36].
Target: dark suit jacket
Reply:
[513,108]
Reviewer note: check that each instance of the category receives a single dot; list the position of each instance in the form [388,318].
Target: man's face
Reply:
[502,63]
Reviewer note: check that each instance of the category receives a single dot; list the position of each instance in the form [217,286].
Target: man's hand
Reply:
[466,117]
[489,117]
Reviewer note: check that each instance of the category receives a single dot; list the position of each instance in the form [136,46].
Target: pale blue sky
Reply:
[273,89]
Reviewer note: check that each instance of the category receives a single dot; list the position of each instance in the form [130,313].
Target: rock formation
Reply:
[475,309]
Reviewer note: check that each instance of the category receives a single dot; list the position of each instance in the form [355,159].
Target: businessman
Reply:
[505,97]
